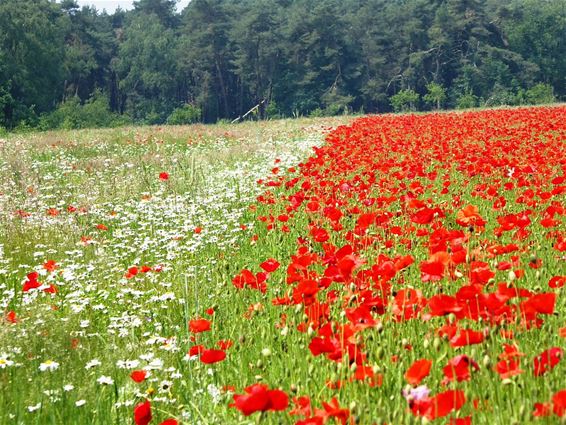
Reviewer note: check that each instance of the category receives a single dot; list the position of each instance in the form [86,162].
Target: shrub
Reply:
[540,94]
[272,110]
[186,114]
[405,100]
[501,96]
[466,101]
[436,95]
[71,114]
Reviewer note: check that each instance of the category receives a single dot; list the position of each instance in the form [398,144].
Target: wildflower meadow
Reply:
[387,269]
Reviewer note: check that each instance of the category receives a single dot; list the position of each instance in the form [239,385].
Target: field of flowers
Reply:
[409,269]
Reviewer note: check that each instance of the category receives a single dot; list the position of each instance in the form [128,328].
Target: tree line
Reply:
[66,66]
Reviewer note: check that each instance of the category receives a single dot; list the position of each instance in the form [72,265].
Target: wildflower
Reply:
[49,365]
[212,356]
[105,380]
[142,413]
[5,361]
[93,363]
[259,398]
[418,371]
[138,376]
[199,325]
[34,408]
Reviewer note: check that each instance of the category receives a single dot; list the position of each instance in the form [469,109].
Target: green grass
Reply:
[112,177]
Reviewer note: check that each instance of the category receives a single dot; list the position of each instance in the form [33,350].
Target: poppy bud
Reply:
[436,343]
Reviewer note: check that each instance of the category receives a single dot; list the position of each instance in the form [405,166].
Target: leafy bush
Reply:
[336,102]
[539,94]
[466,101]
[501,96]
[71,114]
[187,114]
[272,110]
[405,100]
[316,113]
[436,95]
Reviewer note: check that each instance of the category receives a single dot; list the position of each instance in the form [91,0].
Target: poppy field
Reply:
[394,269]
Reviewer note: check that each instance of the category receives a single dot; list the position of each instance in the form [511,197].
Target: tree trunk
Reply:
[222,87]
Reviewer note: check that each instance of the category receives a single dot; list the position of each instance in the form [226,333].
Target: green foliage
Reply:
[187,114]
[272,110]
[540,94]
[72,114]
[322,57]
[404,101]
[436,95]
[31,56]
[467,100]
[501,96]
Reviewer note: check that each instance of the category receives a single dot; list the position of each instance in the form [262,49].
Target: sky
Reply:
[111,5]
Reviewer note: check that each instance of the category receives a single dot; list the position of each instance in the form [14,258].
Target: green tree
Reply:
[436,95]
[540,94]
[31,54]
[205,58]
[405,100]
[535,30]
[146,68]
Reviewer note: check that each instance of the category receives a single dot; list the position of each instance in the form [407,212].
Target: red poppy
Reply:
[199,325]
[466,337]
[259,398]
[196,350]
[459,369]
[559,403]
[445,403]
[557,282]
[547,360]
[225,344]
[469,216]
[508,368]
[212,356]
[542,410]
[418,371]
[169,421]
[142,413]
[138,376]
[31,282]
[50,266]
[11,317]
[163,176]
[270,265]
[333,410]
